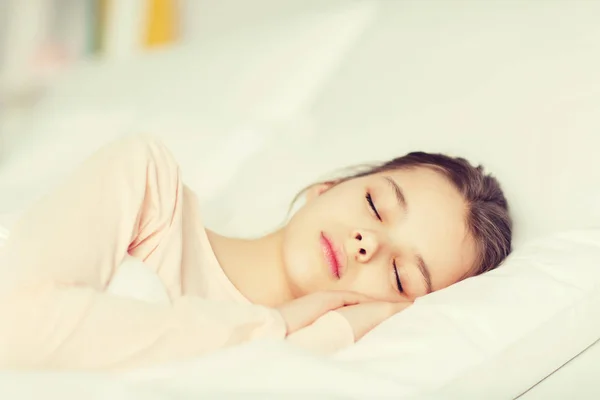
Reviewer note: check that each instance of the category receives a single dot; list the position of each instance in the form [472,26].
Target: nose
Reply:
[365,245]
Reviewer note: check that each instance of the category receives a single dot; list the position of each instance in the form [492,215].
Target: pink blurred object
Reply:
[49,60]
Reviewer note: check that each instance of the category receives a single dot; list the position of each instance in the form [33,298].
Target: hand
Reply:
[364,317]
[305,310]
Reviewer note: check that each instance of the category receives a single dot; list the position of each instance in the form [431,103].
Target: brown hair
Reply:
[487,218]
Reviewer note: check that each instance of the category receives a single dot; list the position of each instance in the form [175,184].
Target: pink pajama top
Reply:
[61,256]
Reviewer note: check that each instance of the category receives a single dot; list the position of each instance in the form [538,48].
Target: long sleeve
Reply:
[127,198]
[328,334]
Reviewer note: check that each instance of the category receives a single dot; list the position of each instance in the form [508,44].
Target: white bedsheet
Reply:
[261,370]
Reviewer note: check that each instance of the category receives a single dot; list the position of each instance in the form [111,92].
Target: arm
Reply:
[64,251]
[328,334]
[342,327]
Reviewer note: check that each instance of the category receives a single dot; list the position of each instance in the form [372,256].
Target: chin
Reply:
[302,257]
[301,273]
[298,277]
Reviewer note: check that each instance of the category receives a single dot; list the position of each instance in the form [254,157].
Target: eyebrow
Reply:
[425,272]
[398,192]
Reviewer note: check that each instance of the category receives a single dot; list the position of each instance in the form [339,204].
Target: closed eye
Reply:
[397,277]
[372,205]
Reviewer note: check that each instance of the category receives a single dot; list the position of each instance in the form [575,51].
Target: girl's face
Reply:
[394,236]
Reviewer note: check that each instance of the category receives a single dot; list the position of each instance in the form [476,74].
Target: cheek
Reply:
[373,281]
[300,256]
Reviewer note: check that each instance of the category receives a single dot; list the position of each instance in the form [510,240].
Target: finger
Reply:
[303,311]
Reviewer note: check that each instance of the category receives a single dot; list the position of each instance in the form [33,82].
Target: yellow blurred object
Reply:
[162,22]
[101,20]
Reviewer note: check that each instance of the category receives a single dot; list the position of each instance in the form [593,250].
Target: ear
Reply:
[318,189]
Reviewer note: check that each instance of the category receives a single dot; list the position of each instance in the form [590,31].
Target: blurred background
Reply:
[41,38]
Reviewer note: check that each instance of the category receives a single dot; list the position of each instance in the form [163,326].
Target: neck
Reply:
[254,266]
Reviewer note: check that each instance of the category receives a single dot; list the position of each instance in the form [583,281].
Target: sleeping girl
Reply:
[360,249]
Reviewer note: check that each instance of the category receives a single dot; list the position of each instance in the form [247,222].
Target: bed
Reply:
[512,85]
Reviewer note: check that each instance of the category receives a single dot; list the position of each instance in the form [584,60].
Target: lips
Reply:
[332,256]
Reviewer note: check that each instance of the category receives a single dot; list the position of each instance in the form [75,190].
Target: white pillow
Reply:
[545,292]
